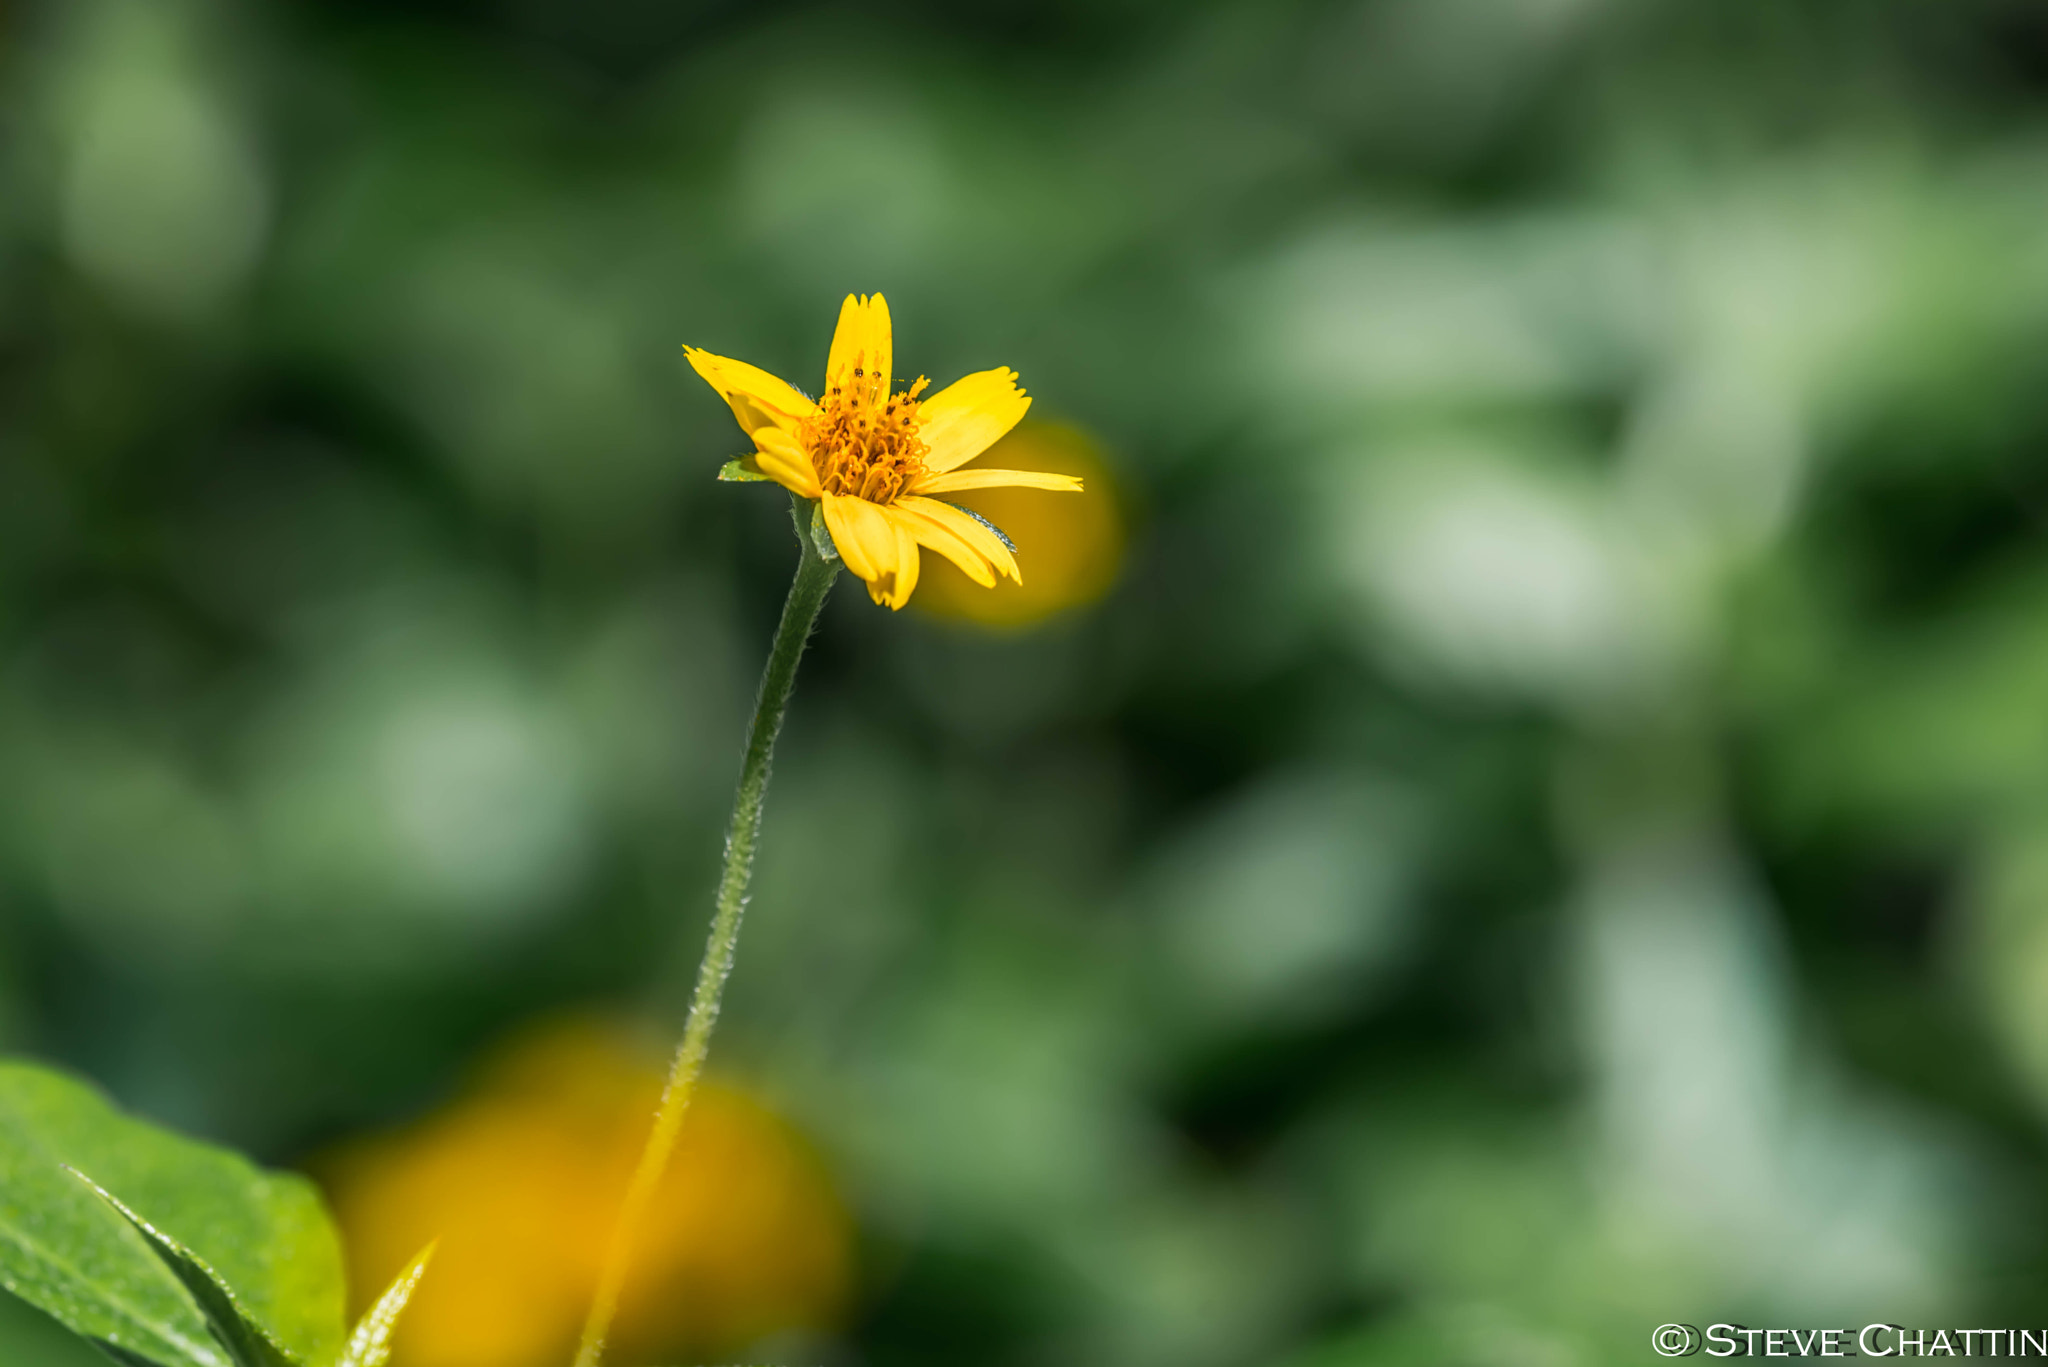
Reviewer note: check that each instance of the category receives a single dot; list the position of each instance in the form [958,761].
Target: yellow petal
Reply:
[908,560]
[876,545]
[783,458]
[866,541]
[946,542]
[862,342]
[966,417]
[985,542]
[996,479]
[758,399]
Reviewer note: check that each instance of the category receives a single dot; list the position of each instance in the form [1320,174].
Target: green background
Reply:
[1547,836]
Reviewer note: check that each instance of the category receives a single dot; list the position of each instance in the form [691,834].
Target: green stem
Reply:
[814,576]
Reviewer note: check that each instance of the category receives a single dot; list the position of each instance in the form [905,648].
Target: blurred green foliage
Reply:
[1549,835]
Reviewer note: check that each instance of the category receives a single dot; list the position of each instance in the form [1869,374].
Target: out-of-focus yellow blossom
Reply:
[876,459]
[1075,547]
[521,1179]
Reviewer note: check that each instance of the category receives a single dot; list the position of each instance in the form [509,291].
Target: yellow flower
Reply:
[874,458]
[520,1181]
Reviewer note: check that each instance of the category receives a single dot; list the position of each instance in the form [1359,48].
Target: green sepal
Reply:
[742,470]
[247,1343]
[998,532]
[370,1344]
[821,535]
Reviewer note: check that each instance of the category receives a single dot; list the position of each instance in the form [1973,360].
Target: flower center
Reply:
[864,443]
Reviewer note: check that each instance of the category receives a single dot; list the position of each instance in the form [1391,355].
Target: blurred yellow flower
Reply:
[875,458]
[1075,549]
[521,1179]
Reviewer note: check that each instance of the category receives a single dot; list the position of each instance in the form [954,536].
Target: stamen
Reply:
[870,455]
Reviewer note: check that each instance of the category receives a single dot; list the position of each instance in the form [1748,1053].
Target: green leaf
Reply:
[370,1344]
[248,1343]
[125,1356]
[740,470]
[65,1252]
[27,1335]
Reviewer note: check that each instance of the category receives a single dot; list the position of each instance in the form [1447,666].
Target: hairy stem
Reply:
[814,576]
